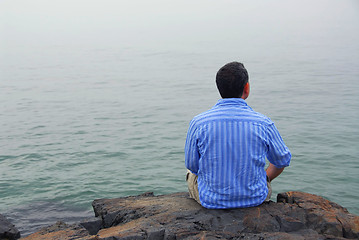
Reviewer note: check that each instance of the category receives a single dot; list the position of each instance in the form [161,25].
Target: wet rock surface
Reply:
[7,229]
[295,215]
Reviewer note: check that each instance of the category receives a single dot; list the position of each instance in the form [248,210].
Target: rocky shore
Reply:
[295,215]
[7,229]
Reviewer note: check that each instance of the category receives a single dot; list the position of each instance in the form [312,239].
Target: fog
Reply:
[174,24]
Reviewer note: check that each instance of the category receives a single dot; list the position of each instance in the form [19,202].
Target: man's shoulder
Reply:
[263,118]
[200,118]
[217,114]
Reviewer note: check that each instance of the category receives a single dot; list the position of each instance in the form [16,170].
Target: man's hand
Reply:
[273,171]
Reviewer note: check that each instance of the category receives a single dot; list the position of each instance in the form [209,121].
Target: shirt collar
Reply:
[231,102]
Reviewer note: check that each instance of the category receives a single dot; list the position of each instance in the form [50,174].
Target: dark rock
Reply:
[92,225]
[156,234]
[296,215]
[322,215]
[58,226]
[7,229]
[60,230]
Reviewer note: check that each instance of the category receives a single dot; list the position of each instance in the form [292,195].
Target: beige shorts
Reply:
[193,187]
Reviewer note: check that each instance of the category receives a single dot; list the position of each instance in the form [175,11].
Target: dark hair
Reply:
[231,79]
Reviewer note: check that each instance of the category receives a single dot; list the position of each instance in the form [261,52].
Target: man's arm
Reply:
[279,155]
[273,171]
[191,150]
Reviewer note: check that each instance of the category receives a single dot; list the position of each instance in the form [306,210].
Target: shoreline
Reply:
[176,216]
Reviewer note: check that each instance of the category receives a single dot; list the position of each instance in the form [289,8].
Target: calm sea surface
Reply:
[96,97]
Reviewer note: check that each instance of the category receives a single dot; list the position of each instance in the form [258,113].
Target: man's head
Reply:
[232,81]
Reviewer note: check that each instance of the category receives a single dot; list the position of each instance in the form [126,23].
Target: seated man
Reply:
[227,146]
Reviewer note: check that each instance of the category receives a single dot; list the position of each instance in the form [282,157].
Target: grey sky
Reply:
[129,22]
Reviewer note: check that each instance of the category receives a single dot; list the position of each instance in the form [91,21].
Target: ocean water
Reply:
[96,97]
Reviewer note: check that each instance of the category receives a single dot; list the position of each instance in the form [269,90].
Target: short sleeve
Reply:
[278,153]
[191,149]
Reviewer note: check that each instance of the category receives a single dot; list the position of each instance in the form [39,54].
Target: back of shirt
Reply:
[227,147]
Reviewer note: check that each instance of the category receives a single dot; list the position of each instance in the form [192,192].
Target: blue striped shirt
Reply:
[227,147]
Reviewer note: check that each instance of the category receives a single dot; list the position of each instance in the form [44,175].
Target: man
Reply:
[227,146]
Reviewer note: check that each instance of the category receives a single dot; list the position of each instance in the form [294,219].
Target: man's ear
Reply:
[246,91]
